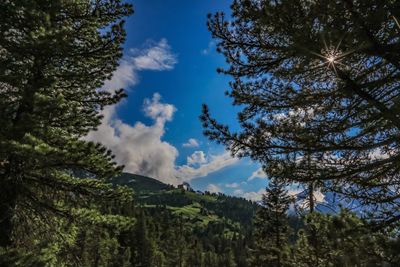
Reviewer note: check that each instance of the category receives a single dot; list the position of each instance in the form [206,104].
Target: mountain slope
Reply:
[203,207]
[140,184]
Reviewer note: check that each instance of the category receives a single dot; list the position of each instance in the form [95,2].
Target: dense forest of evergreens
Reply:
[318,84]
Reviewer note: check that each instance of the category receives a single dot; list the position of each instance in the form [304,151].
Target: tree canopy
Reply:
[271,228]
[318,85]
[55,55]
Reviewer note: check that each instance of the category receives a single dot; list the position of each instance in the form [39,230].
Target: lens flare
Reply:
[332,55]
[396,21]
[331,59]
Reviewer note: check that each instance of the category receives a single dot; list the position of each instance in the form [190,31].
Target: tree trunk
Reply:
[13,170]
[8,199]
[311,197]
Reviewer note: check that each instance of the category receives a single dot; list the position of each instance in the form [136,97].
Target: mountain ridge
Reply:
[152,193]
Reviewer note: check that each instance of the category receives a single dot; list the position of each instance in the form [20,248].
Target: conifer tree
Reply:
[144,245]
[195,255]
[54,57]
[271,229]
[343,240]
[210,259]
[177,243]
[318,79]
[227,259]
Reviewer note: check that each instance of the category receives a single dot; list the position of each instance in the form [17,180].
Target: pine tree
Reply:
[143,243]
[318,79]
[177,245]
[55,55]
[343,240]
[195,255]
[271,229]
[210,259]
[226,259]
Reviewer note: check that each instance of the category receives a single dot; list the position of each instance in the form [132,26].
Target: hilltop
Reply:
[202,207]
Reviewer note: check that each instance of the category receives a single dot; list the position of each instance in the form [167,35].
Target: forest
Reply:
[316,87]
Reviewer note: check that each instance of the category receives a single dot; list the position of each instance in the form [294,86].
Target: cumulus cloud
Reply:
[257,174]
[191,143]
[232,185]
[212,164]
[212,188]
[125,76]
[238,192]
[198,157]
[158,111]
[141,147]
[254,196]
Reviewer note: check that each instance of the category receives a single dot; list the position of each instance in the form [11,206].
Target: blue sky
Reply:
[169,70]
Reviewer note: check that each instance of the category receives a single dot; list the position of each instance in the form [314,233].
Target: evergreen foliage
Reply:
[54,57]
[271,228]
[317,80]
[320,108]
[343,240]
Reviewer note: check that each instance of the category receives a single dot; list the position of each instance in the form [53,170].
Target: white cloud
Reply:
[238,192]
[158,111]
[293,192]
[304,203]
[156,57]
[123,77]
[257,174]
[140,147]
[378,154]
[212,188]
[254,196]
[319,197]
[233,185]
[198,157]
[213,164]
[191,143]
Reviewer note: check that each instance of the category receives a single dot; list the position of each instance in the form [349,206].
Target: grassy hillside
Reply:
[199,207]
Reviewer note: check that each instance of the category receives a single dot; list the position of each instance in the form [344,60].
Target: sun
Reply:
[332,55]
[331,59]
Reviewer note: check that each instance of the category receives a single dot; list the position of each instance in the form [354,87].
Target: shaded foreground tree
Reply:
[54,55]
[271,228]
[319,85]
[343,240]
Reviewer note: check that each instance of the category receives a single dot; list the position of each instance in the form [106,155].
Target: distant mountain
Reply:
[215,220]
[140,184]
[183,200]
